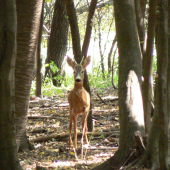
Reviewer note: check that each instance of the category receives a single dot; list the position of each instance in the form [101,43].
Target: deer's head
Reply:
[78,68]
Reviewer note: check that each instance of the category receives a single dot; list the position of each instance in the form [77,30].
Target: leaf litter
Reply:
[49,117]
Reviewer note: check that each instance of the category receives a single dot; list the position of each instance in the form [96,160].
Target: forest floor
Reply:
[47,129]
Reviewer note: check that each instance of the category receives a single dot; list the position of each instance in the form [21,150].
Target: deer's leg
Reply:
[84,127]
[75,130]
[70,128]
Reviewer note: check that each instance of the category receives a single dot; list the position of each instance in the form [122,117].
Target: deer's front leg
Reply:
[75,130]
[70,129]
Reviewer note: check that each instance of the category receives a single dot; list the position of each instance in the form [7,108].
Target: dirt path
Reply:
[50,116]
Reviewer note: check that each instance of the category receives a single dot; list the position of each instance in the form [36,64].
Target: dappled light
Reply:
[134,98]
[50,117]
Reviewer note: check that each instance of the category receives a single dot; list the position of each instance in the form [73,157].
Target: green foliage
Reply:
[55,69]
[102,136]
[53,66]
[33,88]
[154,64]
[49,89]
[96,77]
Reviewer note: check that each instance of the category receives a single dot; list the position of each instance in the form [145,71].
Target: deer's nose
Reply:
[78,80]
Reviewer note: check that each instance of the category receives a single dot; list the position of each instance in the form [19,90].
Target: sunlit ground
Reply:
[51,116]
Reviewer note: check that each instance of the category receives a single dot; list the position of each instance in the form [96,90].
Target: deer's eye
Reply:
[74,72]
[82,72]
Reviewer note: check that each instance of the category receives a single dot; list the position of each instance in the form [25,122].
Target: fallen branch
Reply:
[38,117]
[100,148]
[60,136]
[100,98]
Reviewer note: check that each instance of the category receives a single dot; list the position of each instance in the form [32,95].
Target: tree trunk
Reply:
[147,65]
[109,57]
[162,53]
[57,46]
[8,25]
[99,17]
[130,72]
[168,74]
[39,58]
[84,53]
[140,24]
[156,154]
[76,42]
[74,30]
[113,84]
[29,14]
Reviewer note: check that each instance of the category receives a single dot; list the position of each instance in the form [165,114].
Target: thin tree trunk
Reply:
[74,30]
[84,53]
[38,58]
[100,46]
[113,84]
[76,43]
[140,24]
[110,66]
[147,65]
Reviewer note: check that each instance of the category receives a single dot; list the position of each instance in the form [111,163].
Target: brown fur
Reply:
[79,99]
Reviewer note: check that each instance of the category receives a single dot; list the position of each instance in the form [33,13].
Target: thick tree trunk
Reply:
[29,14]
[8,25]
[130,71]
[162,53]
[57,46]
[168,74]
[156,154]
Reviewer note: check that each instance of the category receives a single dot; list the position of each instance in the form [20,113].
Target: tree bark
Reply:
[29,14]
[99,19]
[130,72]
[76,42]
[168,74]
[156,153]
[99,5]
[74,30]
[57,46]
[140,24]
[162,53]
[147,65]
[109,56]
[38,91]
[8,26]
[84,53]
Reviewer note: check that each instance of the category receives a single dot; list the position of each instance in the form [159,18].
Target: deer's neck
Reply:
[78,86]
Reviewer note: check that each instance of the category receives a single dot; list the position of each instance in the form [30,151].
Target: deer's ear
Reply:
[70,62]
[86,61]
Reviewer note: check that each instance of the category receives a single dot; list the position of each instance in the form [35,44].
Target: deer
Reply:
[78,99]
